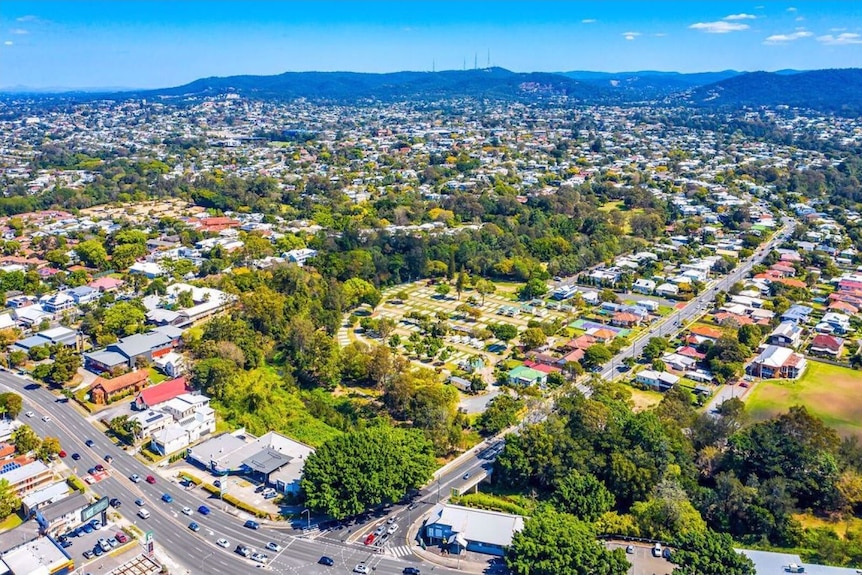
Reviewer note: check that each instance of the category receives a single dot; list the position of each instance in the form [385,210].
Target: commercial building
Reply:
[102,390]
[456,528]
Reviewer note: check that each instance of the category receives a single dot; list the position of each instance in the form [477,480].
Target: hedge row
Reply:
[75,483]
[210,488]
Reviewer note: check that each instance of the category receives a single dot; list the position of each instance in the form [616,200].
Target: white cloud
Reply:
[631,35]
[837,29]
[800,18]
[844,39]
[742,16]
[783,38]
[18,31]
[589,21]
[659,34]
[720,27]
[27,18]
[7,43]
[791,9]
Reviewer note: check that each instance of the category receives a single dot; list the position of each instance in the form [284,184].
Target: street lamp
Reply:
[308,518]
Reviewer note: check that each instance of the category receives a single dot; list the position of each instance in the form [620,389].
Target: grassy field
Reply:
[828,391]
[644,399]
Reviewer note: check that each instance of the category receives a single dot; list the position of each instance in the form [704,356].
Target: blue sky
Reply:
[165,43]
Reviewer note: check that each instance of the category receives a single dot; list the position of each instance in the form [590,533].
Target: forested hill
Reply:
[837,91]
[494,83]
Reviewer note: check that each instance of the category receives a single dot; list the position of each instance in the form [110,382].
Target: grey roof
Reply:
[68,505]
[33,341]
[24,472]
[769,563]
[267,461]
[82,291]
[107,358]
[140,343]
[477,525]
[171,331]
[220,449]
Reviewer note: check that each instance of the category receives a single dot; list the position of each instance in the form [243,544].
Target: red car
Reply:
[370,539]
[121,537]
[62,453]
[151,480]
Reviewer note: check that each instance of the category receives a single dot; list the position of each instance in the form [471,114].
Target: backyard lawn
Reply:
[828,391]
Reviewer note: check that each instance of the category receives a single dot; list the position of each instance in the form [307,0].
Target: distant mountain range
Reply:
[838,91]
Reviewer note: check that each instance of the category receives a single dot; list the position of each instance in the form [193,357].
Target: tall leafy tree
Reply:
[552,543]
[359,470]
[709,553]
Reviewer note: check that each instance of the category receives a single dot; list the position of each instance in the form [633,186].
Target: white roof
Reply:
[477,524]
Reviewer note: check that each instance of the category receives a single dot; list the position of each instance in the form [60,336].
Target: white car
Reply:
[223,543]
[392,528]
[259,557]
[29,413]
[272,546]
[135,478]
[46,419]
[362,568]
[187,511]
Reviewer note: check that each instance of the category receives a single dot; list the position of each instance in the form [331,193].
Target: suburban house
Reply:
[106,284]
[192,418]
[667,289]
[526,376]
[625,319]
[207,302]
[787,334]
[797,313]
[84,294]
[826,345]
[455,528]
[658,380]
[777,362]
[702,333]
[643,286]
[54,336]
[44,496]
[57,302]
[124,354]
[171,364]
[102,390]
[833,322]
[158,394]
[299,256]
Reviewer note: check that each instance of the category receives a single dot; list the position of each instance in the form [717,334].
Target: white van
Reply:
[143,514]
[656,550]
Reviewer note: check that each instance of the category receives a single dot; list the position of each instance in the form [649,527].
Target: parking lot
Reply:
[239,487]
[82,541]
[642,560]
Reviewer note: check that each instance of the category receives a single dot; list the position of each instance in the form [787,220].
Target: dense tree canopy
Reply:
[365,468]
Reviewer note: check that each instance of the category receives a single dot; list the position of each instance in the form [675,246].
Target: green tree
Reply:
[213,375]
[460,283]
[552,543]
[501,413]
[9,501]
[92,254]
[596,355]
[123,318]
[443,289]
[533,337]
[124,255]
[48,449]
[361,469]
[358,291]
[485,287]
[583,495]
[749,335]
[504,331]
[533,288]
[25,439]
[709,553]
[11,404]
[667,514]
[184,299]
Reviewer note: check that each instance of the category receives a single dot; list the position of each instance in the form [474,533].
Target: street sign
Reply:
[149,543]
[94,509]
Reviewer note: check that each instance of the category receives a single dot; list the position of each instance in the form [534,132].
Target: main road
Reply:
[698,304]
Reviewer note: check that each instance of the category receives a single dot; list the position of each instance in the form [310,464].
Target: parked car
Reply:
[121,537]
[656,550]
[113,542]
[65,544]
[326,561]
[251,524]
[630,549]
[97,551]
[87,528]
[88,554]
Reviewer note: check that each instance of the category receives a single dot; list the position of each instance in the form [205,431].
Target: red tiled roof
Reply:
[844,306]
[164,391]
[706,331]
[626,317]
[689,351]
[581,342]
[106,283]
[827,341]
[790,282]
[540,367]
[121,382]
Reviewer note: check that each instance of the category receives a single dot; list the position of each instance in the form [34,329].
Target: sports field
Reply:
[832,393]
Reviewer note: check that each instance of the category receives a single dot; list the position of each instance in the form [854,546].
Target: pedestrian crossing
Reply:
[399,551]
